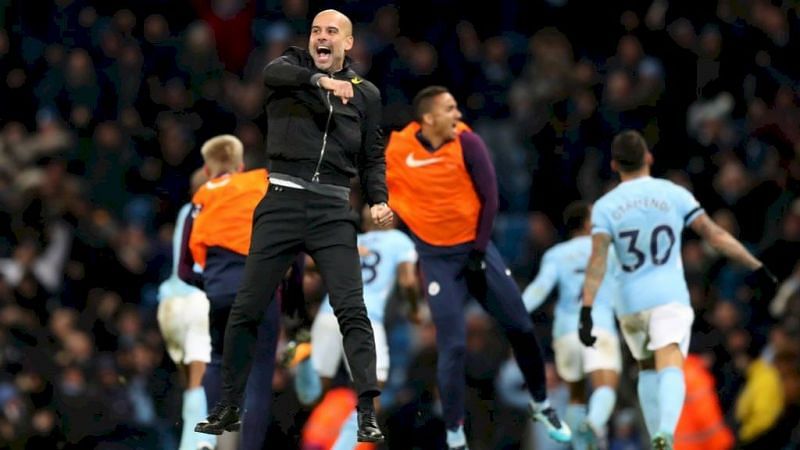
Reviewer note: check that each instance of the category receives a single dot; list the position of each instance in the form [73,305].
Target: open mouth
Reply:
[323,53]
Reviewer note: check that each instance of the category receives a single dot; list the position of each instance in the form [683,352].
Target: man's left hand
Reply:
[764,282]
[585,327]
[474,272]
[765,278]
[381,214]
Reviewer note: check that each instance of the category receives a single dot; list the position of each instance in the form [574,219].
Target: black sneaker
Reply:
[368,430]
[223,417]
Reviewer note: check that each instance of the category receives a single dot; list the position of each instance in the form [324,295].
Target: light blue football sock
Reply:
[601,405]
[671,393]
[307,384]
[574,416]
[648,399]
[194,410]
[348,434]
[456,437]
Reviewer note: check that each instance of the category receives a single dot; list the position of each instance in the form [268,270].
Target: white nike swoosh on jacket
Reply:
[217,184]
[412,162]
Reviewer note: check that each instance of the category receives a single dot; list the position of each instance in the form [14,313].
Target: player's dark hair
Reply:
[575,216]
[628,150]
[424,98]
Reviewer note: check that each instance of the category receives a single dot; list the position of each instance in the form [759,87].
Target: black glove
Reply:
[475,274]
[764,282]
[764,278]
[585,328]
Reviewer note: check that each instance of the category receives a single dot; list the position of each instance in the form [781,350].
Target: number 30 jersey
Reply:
[645,218]
[382,251]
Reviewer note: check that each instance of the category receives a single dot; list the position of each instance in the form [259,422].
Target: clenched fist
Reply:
[381,214]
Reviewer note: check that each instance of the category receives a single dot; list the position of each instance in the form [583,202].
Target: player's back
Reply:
[645,217]
[174,286]
[224,212]
[570,260]
[381,251]
[222,228]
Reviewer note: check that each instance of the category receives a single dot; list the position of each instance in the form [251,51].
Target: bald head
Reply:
[330,39]
[346,26]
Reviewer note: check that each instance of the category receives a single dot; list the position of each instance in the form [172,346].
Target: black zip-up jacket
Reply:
[312,132]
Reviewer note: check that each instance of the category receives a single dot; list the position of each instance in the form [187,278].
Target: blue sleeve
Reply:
[600,221]
[536,293]
[688,206]
[406,251]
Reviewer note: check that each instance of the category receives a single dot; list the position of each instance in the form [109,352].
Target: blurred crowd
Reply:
[105,104]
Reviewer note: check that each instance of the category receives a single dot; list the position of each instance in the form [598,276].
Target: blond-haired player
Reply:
[219,242]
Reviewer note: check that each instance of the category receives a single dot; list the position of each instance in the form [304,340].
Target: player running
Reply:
[564,266]
[644,218]
[183,321]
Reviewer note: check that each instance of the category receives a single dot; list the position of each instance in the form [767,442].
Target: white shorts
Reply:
[183,321]
[655,328]
[574,360]
[327,351]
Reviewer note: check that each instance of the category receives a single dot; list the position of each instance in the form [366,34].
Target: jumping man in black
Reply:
[323,130]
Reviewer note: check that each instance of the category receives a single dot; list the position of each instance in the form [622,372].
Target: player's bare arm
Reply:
[597,267]
[409,285]
[723,242]
[311,266]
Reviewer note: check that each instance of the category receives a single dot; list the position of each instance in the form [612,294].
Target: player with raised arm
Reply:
[643,218]
[443,185]
[564,265]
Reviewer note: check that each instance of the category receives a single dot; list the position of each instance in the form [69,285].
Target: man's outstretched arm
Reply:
[597,268]
[591,284]
[723,242]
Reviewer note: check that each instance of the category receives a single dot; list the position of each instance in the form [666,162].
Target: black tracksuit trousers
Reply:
[286,222]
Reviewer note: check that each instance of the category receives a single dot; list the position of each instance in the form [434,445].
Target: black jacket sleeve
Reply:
[287,72]
[372,167]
